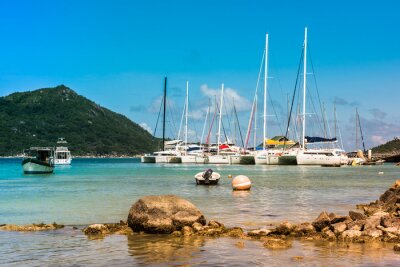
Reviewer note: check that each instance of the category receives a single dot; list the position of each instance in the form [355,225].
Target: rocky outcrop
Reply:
[31,227]
[107,228]
[163,214]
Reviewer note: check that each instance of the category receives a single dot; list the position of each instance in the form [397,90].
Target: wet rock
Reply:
[396,247]
[187,231]
[356,225]
[215,224]
[285,228]
[259,232]
[234,232]
[31,227]
[389,230]
[351,234]
[304,229]
[355,215]
[372,222]
[197,227]
[339,227]
[96,229]
[163,214]
[176,233]
[375,233]
[328,234]
[276,243]
[322,221]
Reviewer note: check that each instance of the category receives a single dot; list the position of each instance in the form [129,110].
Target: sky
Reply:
[117,54]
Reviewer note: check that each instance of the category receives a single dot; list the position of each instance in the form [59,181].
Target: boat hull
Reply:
[168,159]
[287,160]
[212,181]
[62,161]
[304,159]
[33,166]
[218,159]
[148,159]
[234,159]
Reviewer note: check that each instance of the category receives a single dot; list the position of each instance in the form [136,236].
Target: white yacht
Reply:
[62,156]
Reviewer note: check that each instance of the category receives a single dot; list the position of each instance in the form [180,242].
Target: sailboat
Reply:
[325,157]
[219,158]
[191,153]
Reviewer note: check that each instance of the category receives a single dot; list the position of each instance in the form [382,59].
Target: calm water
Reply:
[102,190]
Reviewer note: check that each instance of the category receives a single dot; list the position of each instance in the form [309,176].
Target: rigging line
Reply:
[223,128]
[194,124]
[172,123]
[362,137]
[211,126]
[315,80]
[294,94]
[229,117]
[158,117]
[250,125]
[180,125]
[237,121]
[275,113]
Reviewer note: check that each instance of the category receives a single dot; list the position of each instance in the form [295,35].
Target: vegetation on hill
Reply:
[390,147]
[40,117]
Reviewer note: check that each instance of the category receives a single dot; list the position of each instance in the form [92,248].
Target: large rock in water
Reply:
[163,214]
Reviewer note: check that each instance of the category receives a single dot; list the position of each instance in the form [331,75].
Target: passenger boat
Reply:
[62,156]
[38,160]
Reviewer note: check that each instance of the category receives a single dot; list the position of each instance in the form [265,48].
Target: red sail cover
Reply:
[223,146]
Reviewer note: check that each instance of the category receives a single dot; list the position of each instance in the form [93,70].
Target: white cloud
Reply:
[230,95]
[146,127]
[377,140]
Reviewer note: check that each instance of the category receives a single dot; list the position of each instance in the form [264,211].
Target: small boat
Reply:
[38,160]
[208,177]
[62,156]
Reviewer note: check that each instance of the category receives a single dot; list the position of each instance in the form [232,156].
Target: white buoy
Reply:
[241,182]
[380,173]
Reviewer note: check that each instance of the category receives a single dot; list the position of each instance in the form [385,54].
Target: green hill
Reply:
[40,117]
[389,147]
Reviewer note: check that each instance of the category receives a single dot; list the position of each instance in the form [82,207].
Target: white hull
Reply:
[168,159]
[313,159]
[31,167]
[266,159]
[218,159]
[194,159]
[148,159]
[234,159]
[62,161]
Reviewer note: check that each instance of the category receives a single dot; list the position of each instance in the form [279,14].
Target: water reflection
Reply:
[154,249]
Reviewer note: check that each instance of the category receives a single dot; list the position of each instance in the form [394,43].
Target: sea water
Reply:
[102,190]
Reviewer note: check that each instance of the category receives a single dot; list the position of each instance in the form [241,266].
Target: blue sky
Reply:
[117,53]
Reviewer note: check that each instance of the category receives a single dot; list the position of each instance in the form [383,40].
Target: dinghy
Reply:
[208,177]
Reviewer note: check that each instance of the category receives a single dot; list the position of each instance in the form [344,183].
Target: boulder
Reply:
[391,222]
[96,229]
[197,227]
[322,221]
[396,247]
[163,214]
[285,228]
[187,230]
[374,221]
[337,218]
[304,229]
[215,224]
[259,232]
[339,227]
[356,225]
[351,234]
[328,234]
[355,215]
[375,233]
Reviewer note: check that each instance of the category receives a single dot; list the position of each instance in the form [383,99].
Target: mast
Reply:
[205,123]
[335,119]
[255,124]
[165,103]
[304,88]
[265,90]
[186,114]
[356,129]
[220,118]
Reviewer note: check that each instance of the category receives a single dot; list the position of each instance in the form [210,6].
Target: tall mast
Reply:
[335,119]
[187,107]
[165,103]
[220,118]
[304,88]
[265,90]
[356,129]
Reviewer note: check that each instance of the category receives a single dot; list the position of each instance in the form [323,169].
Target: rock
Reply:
[304,229]
[389,230]
[285,228]
[31,227]
[276,243]
[355,215]
[395,185]
[328,234]
[240,244]
[215,224]
[356,225]
[322,221]
[96,229]
[259,232]
[339,227]
[375,233]
[336,218]
[197,227]
[391,222]
[176,233]
[187,231]
[396,247]
[351,234]
[163,214]
[375,220]
[233,232]
[297,258]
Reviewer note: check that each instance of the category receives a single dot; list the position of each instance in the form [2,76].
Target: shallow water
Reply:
[102,190]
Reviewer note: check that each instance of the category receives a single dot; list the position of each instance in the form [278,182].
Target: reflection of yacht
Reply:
[62,156]
[38,160]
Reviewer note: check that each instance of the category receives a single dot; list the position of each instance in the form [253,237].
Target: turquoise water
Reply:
[102,190]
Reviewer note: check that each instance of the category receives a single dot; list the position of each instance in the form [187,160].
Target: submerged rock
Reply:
[31,227]
[108,228]
[163,214]
[277,243]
